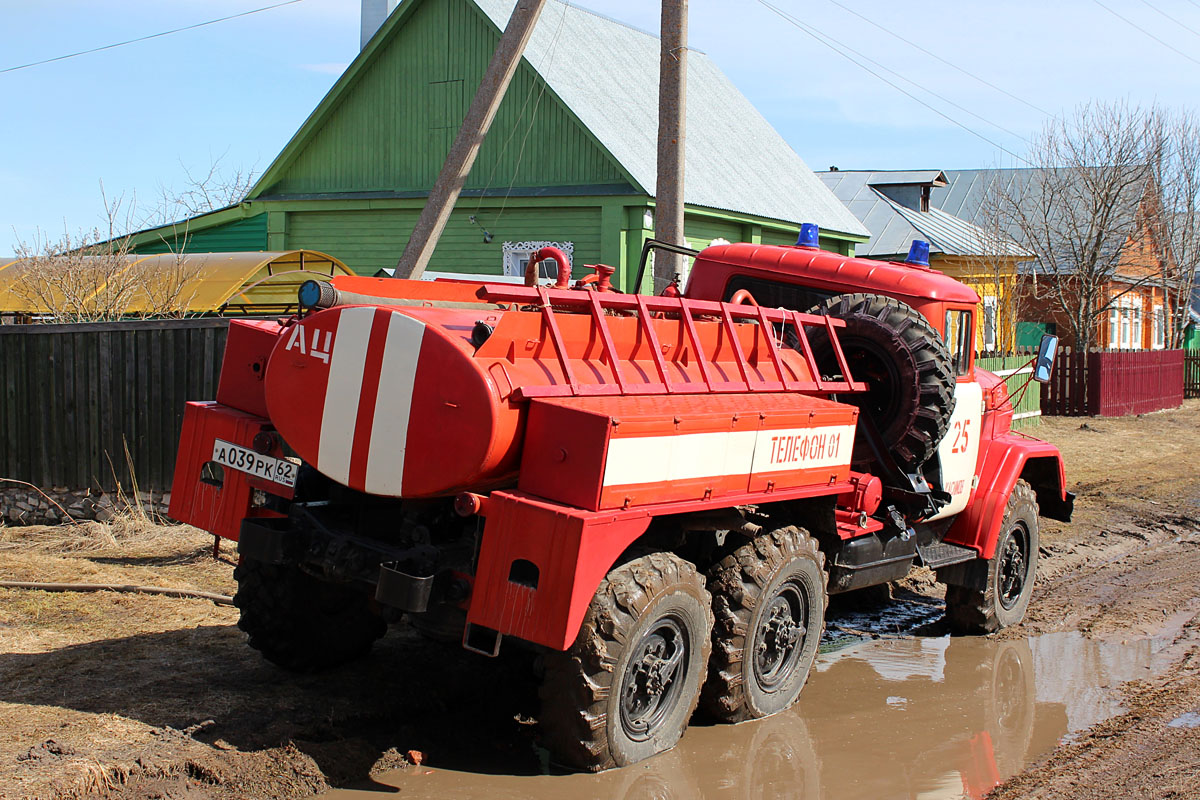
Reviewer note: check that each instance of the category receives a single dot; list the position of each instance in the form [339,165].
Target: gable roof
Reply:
[966,193]
[966,190]
[893,226]
[606,75]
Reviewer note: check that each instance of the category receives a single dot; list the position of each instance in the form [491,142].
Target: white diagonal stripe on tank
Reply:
[389,430]
[340,415]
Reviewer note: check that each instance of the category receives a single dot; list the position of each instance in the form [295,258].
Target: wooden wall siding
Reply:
[700,231]
[239,236]
[75,395]
[368,240]
[392,128]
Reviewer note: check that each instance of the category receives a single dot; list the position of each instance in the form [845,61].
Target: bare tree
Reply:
[1078,207]
[213,188]
[93,275]
[997,264]
[1174,218]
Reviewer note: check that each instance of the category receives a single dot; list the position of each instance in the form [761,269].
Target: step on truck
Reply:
[657,493]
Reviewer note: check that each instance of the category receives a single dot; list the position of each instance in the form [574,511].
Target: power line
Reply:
[932,54]
[1133,24]
[1172,19]
[144,38]
[829,42]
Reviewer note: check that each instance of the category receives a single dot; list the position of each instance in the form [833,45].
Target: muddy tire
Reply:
[907,368]
[989,595]
[769,600]
[628,686]
[300,623]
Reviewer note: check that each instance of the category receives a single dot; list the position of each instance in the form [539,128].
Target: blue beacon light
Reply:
[810,234]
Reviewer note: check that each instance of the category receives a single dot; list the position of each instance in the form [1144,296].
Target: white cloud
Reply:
[331,68]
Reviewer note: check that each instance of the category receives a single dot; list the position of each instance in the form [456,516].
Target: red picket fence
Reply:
[1114,383]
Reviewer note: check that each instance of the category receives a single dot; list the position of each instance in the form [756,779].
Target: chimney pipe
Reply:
[374,12]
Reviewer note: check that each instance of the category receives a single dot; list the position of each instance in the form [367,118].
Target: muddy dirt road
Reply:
[1096,695]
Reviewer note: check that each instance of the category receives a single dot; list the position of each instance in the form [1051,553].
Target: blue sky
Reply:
[138,117]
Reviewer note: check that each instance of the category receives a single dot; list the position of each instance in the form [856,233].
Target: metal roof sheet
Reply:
[918,177]
[966,191]
[893,226]
[198,282]
[607,74]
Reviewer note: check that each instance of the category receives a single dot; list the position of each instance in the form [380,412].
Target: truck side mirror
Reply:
[1047,350]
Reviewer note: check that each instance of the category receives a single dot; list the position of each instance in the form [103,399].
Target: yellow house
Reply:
[896,208]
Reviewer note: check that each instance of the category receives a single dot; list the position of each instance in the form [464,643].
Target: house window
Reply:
[517,256]
[1160,328]
[1125,322]
[958,338]
[989,323]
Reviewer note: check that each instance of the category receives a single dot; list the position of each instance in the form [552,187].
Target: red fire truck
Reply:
[658,493]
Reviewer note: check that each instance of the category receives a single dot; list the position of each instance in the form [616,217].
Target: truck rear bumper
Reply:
[208,495]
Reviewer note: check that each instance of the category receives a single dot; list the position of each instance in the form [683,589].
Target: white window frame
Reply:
[991,322]
[517,254]
[1159,340]
[1125,322]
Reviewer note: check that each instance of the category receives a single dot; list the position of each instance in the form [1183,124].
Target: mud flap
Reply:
[401,590]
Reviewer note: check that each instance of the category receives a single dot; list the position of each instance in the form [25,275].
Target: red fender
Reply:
[540,563]
[1005,459]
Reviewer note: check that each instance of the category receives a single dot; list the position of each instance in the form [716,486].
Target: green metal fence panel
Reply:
[1016,369]
[91,405]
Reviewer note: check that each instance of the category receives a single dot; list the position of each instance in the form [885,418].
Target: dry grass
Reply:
[126,533]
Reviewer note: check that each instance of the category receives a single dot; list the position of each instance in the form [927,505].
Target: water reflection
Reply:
[927,718]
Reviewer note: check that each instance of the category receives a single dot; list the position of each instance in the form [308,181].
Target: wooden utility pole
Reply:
[672,111]
[470,137]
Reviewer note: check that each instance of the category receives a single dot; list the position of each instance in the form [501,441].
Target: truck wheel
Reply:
[769,601]
[995,593]
[300,623]
[908,371]
[628,686]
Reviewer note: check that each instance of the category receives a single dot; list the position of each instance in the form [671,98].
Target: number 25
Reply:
[962,435]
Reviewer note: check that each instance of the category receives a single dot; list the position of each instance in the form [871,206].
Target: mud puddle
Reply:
[913,717]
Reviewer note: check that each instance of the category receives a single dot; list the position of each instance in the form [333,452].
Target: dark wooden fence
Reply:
[1191,373]
[77,397]
[1066,394]
[1114,383]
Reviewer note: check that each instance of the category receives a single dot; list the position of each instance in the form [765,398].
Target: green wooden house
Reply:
[569,160]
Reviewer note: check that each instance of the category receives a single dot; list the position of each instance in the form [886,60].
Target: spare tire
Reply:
[909,373]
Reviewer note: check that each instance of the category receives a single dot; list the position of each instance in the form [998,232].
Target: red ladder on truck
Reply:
[600,305]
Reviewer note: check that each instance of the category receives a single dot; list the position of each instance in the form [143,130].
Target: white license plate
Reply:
[240,458]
